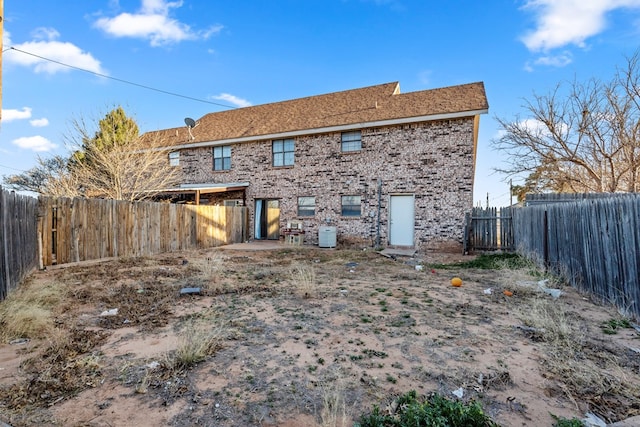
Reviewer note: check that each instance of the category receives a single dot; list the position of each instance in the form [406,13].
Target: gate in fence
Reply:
[488,229]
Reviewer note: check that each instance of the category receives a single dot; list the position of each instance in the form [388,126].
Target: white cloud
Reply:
[44,33]
[34,143]
[211,31]
[39,123]
[564,22]
[153,23]
[45,45]
[533,126]
[538,128]
[232,99]
[6,38]
[159,6]
[9,115]
[560,60]
[157,28]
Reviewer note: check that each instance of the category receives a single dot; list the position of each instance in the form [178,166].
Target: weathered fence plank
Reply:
[593,242]
[488,229]
[84,229]
[18,239]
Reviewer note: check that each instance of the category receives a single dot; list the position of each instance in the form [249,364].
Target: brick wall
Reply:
[431,160]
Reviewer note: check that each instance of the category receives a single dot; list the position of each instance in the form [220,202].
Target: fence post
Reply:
[5,238]
[545,239]
[467,226]
[39,228]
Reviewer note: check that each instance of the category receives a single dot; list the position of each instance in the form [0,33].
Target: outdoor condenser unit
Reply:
[327,236]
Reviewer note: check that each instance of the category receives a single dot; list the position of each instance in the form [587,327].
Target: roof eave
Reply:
[206,187]
[331,129]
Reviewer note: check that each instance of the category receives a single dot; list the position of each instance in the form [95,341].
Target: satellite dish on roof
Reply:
[190,125]
[190,122]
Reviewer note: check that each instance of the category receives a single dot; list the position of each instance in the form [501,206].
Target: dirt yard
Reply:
[303,336]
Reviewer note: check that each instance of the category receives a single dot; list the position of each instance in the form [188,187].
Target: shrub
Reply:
[565,422]
[437,411]
[489,262]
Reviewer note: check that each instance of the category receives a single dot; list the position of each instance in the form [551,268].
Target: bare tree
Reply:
[114,162]
[584,139]
[50,176]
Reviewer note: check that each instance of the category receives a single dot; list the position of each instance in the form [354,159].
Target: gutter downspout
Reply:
[379,212]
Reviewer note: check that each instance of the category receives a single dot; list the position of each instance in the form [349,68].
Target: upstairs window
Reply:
[351,141]
[306,206]
[351,206]
[283,152]
[174,158]
[222,158]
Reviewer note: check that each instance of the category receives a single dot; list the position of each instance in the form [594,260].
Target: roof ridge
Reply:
[351,107]
[396,84]
[461,85]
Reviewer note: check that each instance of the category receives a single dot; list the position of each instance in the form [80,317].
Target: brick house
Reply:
[383,168]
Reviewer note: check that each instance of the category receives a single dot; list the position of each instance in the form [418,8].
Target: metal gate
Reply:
[488,229]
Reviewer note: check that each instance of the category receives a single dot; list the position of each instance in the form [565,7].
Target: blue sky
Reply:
[240,53]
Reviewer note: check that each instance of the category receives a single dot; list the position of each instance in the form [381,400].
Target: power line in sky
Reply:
[119,80]
[9,167]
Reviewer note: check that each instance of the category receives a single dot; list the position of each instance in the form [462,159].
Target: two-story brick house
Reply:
[382,167]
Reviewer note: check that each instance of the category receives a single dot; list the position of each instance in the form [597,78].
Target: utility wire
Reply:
[9,167]
[119,80]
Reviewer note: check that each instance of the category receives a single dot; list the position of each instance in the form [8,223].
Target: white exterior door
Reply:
[401,220]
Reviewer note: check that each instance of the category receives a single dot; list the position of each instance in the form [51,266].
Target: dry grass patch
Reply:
[549,320]
[209,268]
[64,368]
[586,375]
[334,405]
[303,277]
[589,375]
[201,336]
[28,312]
[316,337]
[147,304]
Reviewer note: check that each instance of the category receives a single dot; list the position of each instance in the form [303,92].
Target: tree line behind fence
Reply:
[593,242]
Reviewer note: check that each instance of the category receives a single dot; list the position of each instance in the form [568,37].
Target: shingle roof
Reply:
[357,106]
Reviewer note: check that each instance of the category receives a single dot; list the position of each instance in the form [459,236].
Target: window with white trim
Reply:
[174,158]
[306,206]
[222,158]
[283,152]
[351,206]
[351,141]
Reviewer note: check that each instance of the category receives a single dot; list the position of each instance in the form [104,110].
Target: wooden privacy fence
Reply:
[593,243]
[80,229]
[18,239]
[488,229]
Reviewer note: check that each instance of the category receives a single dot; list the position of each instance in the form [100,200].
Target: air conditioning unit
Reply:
[327,236]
